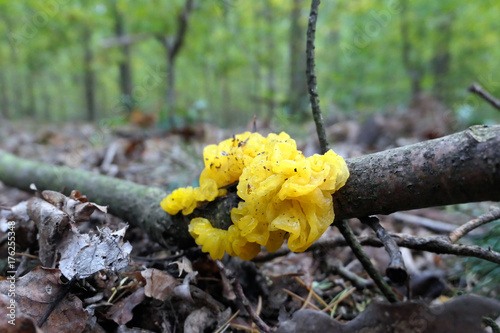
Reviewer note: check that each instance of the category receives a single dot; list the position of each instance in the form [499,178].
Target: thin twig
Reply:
[430,224]
[319,299]
[340,299]
[320,129]
[357,281]
[377,278]
[475,88]
[435,244]
[294,295]
[241,298]
[492,215]
[308,299]
[227,323]
[312,87]
[396,271]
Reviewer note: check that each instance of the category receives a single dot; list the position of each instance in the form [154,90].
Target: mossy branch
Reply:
[462,167]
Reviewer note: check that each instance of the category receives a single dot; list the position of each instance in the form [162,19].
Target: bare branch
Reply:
[475,88]
[462,167]
[396,271]
[343,226]
[312,87]
[435,244]
[353,243]
[123,40]
[492,215]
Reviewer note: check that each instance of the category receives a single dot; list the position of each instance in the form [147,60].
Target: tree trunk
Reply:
[14,84]
[270,49]
[171,102]
[30,90]
[4,97]
[413,67]
[172,48]
[124,65]
[462,167]
[88,74]
[298,84]
[442,59]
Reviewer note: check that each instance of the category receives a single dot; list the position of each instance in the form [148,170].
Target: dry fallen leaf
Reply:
[52,214]
[82,254]
[121,311]
[51,223]
[34,295]
[15,321]
[199,320]
[159,285]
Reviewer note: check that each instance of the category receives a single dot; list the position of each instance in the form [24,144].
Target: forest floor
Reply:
[185,291]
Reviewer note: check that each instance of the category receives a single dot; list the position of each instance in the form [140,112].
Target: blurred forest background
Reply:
[223,61]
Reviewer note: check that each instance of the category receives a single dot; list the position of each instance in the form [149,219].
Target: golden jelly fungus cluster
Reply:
[285,195]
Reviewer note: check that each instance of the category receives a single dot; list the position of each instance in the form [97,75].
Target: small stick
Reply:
[294,295]
[434,244]
[475,88]
[396,271]
[312,86]
[243,300]
[357,281]
[353,243]
[344,228]
[227,323]
[340,299]
[492,215]
[319,299]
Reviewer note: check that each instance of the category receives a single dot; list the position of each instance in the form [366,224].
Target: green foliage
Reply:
[236,56]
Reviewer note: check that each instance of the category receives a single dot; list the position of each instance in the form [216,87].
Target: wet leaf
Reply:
[34,294]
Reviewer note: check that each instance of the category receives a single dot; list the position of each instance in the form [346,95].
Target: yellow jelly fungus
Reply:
[285,195]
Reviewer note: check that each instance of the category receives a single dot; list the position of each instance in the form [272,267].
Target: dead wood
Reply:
[462,167]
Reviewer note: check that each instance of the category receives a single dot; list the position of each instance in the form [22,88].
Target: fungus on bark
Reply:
[285,195]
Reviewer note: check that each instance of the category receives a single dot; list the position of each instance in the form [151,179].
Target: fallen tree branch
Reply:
[458,168]
[462,167]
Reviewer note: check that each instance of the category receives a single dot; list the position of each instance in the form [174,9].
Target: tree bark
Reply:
[462,167]
[88,74]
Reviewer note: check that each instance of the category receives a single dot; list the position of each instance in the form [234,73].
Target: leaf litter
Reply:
[126,283]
